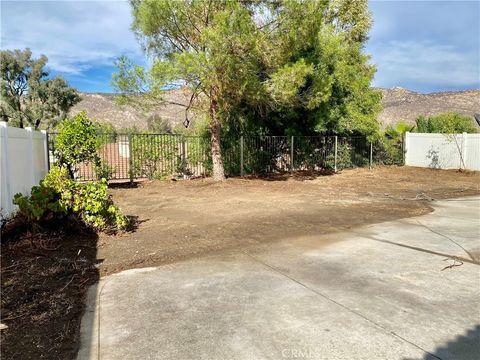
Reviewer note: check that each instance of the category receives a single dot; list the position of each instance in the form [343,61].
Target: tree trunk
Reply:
[217,160]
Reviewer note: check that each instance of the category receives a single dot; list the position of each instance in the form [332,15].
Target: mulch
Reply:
[44,281]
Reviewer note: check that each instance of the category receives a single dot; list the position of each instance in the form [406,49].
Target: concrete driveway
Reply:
[375,292]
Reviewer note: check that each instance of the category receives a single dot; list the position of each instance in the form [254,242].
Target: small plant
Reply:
[59,195]
[103,170]
[155,156]
[94,206]
[42,204]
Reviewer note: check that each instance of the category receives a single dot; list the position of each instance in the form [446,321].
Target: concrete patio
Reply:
[375,292]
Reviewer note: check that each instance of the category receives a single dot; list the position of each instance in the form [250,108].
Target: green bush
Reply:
[103,170]
[388,151]
[446,123]
[58,195]
[76,142]
[156,156]
[344,157]
[42,204]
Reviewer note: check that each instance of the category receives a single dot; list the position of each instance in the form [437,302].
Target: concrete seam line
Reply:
[392,333]
[446,237]
[448,256]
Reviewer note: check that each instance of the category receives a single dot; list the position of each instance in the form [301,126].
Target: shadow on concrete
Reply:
[462,347]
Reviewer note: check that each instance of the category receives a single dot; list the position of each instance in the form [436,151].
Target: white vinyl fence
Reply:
[443,151]
[24,162]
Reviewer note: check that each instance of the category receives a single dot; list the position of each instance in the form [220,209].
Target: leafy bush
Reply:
[76,142]
[42,204]
[388,151]
[103,170]
[159,125]
[397,131]
[58,195]
[446,123]
[156,156]
[344,157]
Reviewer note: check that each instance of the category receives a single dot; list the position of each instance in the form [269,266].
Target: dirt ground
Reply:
[44,284]
[44,280]
[183,219]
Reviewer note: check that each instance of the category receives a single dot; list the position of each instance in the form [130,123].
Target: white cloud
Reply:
[75,35]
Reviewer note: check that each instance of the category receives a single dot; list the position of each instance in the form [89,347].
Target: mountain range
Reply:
[399,104]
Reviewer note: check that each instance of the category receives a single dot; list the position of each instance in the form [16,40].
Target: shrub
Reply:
[42,204]
[446,123]
[155,156]
[76,142]
[344,157]
[58,195]
[388,151]
[103,170]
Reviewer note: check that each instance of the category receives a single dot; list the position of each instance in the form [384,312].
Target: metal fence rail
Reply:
[157,156]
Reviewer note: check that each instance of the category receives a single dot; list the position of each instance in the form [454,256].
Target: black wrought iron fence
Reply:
[157,156]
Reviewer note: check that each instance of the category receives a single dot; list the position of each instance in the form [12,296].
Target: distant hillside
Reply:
[103,108]
[398,105]
[404,105]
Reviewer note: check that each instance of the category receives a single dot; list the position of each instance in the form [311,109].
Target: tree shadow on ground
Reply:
[301,175]
[124,185]
[465,347]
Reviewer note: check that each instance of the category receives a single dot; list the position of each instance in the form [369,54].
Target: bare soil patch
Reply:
[184,219]
[44,280]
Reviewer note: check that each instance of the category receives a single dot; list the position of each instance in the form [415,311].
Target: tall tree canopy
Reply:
[287,66]
[28,95]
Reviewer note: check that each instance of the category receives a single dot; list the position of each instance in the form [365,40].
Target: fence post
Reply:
[30,155]
[464,150]
[183,150]
[371,155]
[291,155]
[47,152]
[241,157]
[130,158]
[6,202]
[336,150]
[405,148]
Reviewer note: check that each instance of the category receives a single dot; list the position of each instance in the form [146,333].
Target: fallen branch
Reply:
[67,284]
[460,263]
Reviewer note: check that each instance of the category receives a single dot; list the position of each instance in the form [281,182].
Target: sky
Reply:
[424,46]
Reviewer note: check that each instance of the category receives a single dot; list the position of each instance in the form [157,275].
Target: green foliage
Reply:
[278,67]
[344,157]
[158,125]
[398,130]
[42,204]
[103,170]
[28,96]
[77,141]
[93,204]
[155,156]
[446,123]
[58,195]
[106,128]
[284,85]
[388,151]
